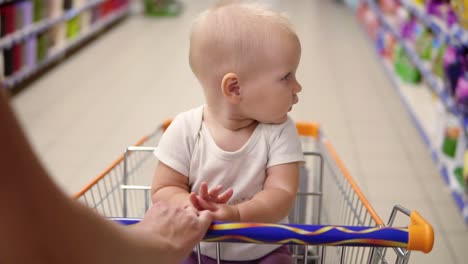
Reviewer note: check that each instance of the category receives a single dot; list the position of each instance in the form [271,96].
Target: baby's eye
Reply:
[287,77]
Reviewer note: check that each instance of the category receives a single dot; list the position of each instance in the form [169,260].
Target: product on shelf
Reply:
[40,10]
[461,93]
[388,6]
[405,69]
[2,68]
[454,149]
[380,42]
[32,32]
[362,10]
[56,38]
[452,69]
[401,17]
[17,57]
[408,28]
[443,10]
[461,8]
[56,8]
[449,146]
[438,58]
[42,45]
[385,44]
[390,42]
[162,8]
[8,61]
[67,4]
[424,44]
[31,52]
[8,24]
[8,19]
[27,15]
[372,23]
[456,75]
[465,172]
[73,27]
[85,21]
[419,2]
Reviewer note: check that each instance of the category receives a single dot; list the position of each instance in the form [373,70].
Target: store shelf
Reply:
[33,29]
[435,24]
[9,82]
[434,82]
[418,102]
[454,35]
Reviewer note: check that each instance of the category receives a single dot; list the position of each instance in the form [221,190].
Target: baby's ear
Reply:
[230,88]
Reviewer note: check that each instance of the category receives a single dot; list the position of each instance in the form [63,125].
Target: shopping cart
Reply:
[336,222]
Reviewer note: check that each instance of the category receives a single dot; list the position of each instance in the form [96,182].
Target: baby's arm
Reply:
[274,202]
[170,186]
[271,205]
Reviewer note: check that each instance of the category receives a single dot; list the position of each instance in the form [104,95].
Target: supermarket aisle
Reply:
[82,114]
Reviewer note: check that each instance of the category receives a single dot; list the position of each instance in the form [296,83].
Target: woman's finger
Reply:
[194,200]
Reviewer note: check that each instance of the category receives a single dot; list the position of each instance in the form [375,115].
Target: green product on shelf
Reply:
[465,170]
[42,45]
[424,45]
[438,63]
[458,172]
[38,10]
[397,54]
[404,68]
[449,145]
[73,27]
[162,8]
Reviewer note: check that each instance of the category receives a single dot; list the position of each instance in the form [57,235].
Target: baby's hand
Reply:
[226,212]
[207,199]
[221,212]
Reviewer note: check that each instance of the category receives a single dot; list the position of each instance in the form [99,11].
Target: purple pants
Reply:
[281,255]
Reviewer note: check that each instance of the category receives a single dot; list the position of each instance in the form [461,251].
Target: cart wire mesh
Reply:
[327,195]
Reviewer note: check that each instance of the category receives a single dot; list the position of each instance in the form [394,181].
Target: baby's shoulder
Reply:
[186,125]
[190,118]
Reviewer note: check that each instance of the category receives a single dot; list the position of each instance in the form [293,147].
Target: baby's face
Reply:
[272,91]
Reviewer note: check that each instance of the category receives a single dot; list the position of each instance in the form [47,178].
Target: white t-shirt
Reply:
[188,147]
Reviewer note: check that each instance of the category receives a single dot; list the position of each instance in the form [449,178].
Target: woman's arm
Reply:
[40,224]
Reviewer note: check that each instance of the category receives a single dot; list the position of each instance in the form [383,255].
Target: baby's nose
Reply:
[297,88]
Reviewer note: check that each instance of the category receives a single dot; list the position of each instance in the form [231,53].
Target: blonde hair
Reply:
[230,37]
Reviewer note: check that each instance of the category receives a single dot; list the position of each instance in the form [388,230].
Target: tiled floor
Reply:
[83,113]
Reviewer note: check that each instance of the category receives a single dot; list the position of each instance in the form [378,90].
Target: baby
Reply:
[245,58]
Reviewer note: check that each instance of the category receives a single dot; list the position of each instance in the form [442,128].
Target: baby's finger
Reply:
[225,196]
[204,190]
[213,193]
[206,205]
